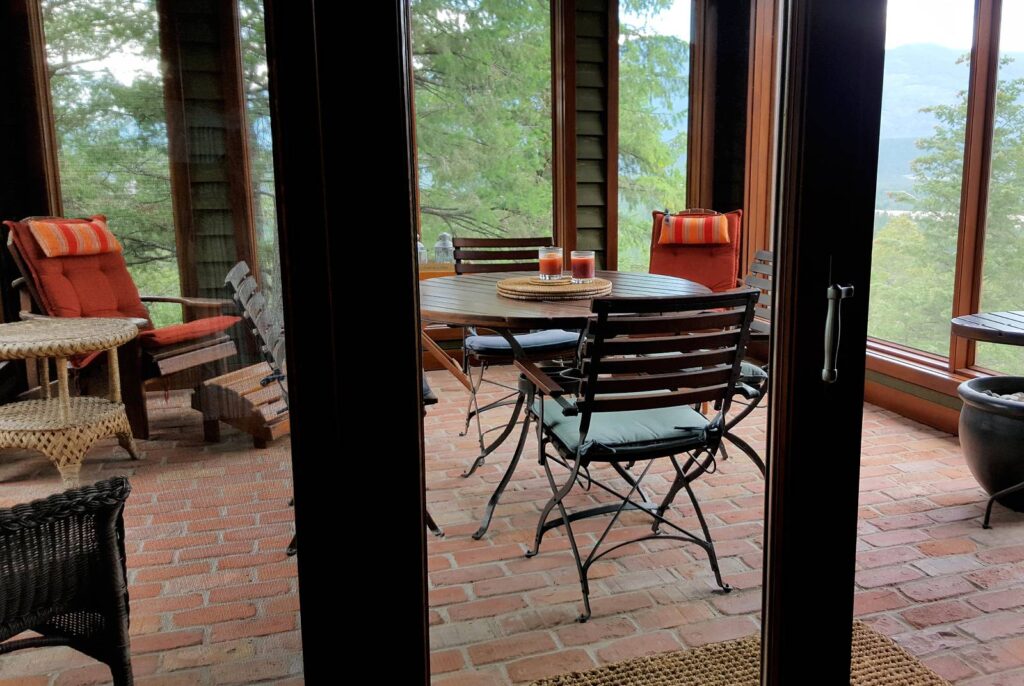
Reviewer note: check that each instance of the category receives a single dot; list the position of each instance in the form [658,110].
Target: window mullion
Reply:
[977,170]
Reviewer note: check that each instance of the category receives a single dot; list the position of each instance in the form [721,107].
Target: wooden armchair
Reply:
[100,286]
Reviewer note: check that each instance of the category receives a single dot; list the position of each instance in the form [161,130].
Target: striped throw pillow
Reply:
[695,230]
[65,237]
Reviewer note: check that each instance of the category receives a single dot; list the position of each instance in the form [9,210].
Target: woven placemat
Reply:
[877,661]
[528,288]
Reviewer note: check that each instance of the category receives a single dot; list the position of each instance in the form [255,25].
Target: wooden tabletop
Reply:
[992,327]
[473,300]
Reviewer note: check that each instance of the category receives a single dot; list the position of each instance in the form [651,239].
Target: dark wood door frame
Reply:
[832,89]
[344,179]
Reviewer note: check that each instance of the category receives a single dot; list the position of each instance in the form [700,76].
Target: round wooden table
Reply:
[472,300]
[64,428]
[991,327]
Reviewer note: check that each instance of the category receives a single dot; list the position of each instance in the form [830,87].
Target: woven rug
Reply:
[877,661]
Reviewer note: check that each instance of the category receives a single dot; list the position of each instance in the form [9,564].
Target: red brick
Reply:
[878,600]
[485,608]
[896,537]
[166,572]
[881,557]
[488,554]
[944,612]
[997,600]
[219,550]
[209,616]
[947,546]
[509,584]
[936,589]
[446,596]
[596,630]
[446,661]
[531,668]
[718,630]
[636,646]
[506,649]
[259,669]
[253,627]
[950,667]
[165,641]
[995,625]
[208,654]
[263,589]
[886,576]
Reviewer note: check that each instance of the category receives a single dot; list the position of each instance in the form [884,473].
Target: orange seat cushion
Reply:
[714,266]
[189,331]
[78,285]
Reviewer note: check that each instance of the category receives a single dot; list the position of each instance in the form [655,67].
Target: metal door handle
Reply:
[836,295]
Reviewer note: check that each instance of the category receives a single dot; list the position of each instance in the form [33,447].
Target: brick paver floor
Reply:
[928,575]
[214,599]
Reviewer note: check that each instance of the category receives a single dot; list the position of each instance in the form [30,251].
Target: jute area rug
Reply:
[877,661]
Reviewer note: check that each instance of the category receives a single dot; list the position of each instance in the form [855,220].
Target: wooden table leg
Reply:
[129,357]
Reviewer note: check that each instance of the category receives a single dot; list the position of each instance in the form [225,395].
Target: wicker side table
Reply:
[64,428]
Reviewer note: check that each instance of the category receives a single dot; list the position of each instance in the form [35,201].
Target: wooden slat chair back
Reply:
[480,255]
[699,341]
[762,278]
[253,399]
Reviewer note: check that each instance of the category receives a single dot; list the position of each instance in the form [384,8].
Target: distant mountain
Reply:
[917,77]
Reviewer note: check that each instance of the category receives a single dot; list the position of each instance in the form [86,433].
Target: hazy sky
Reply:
[943,22]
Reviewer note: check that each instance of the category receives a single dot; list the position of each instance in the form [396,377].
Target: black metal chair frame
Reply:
[430,399]
[617,375]
[63,575]
[477,255]
[760,278]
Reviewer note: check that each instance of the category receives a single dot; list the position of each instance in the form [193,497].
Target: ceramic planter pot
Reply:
[992,435]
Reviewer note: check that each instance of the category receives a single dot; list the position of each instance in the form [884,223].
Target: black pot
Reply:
[992,435]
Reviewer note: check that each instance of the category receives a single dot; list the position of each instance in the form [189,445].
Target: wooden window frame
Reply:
[945,373]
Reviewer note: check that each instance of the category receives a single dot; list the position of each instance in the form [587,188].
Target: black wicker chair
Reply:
[62,574]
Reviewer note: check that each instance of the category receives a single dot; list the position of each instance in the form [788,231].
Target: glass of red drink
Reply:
[582,266]
[550,263]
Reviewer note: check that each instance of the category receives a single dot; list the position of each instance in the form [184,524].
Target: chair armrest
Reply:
[195,303]
[748,392]
[19,283]
[545,383]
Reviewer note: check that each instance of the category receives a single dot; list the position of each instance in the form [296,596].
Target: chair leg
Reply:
[709,545]
[121,671]
[513,420]
[492,503]
[432,525]
[473,410]
[211,430]
[133,393]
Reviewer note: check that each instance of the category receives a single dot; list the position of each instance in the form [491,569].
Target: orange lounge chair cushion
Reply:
[714,266]
[691,230]
[79,285]
[74,237]
[189,331]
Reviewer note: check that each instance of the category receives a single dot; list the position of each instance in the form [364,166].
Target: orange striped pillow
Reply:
[74,236]
[695,230]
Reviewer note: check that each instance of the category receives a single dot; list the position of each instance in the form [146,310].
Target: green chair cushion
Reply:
[623,433]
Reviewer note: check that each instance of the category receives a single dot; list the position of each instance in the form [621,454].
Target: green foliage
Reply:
[111,127]
[108,101]
[914,257]
[482,71]
[653,92]
[483,116]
